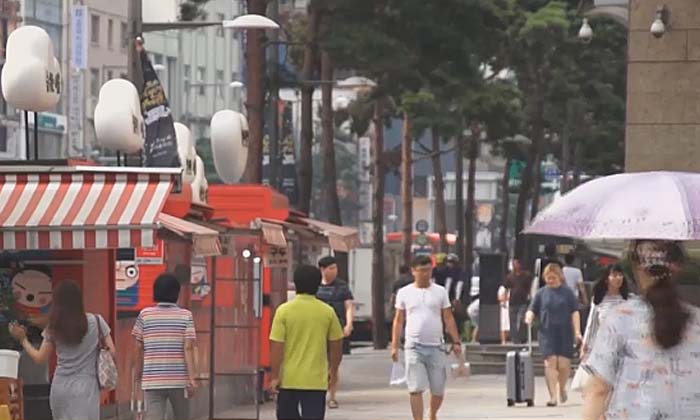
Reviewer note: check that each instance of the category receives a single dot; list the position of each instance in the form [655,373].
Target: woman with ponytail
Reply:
[646,358]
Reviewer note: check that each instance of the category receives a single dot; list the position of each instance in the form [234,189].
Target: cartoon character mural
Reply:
[32,290]
[127,279]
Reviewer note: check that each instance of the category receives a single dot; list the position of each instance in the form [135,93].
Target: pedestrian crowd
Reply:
[639,352]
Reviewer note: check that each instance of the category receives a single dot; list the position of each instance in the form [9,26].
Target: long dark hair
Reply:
[67,319]
[601,287]
[670,315]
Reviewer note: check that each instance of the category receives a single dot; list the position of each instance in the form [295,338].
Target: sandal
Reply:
[332,404]
[563,397]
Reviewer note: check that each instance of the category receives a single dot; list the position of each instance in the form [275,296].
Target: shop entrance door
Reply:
[234,369]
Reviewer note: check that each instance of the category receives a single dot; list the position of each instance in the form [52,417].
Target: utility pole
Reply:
[135,18]
[273,10]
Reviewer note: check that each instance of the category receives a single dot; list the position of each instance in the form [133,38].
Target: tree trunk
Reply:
[537,183]
[536,134]
[307,117]
[566,150]
[407,190]
[505,199]
[469,214]
[577,164]
[255,57]
[439,188]
[379,332]
[330,177]
[459,196]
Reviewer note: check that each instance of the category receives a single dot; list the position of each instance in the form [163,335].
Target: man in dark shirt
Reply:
[518,283]
[337,294]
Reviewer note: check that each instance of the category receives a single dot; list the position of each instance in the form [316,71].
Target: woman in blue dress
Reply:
[556,308]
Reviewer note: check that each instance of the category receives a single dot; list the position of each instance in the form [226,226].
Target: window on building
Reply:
[4,146]
[95,29]
[201,71]
[109,75]
[94,82]
[220,86]
[110,34]
[172,70]
[187,72]
[220,28]
[124,35]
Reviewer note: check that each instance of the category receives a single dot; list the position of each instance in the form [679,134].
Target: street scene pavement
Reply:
[365,394]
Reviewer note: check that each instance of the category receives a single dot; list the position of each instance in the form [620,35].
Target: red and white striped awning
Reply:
[76,209]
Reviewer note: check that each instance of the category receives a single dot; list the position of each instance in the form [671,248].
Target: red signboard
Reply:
[150,255]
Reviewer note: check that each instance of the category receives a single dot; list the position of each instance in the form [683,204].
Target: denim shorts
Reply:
[426,368]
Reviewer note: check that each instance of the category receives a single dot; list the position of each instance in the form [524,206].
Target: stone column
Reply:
[663,88]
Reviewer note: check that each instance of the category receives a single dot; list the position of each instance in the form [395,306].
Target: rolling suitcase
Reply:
[520,377]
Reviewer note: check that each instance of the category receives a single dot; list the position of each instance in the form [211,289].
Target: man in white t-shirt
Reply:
[425,307]
[574,279]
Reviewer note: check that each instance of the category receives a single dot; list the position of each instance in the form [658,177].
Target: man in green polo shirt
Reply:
[306,346]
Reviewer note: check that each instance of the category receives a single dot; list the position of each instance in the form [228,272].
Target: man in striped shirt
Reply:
[165,340]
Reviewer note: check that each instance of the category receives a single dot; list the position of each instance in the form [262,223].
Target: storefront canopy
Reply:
[81,207]
[340,238]
[205,241]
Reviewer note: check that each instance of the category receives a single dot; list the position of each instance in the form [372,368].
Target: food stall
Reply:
[65,220]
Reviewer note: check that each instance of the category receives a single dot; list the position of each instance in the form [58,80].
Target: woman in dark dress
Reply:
[556,308]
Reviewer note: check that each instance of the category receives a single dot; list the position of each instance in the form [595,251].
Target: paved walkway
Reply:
[365,395]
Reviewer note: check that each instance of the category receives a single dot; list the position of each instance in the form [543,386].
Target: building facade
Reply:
[9,117]
[107,43]
[197,67]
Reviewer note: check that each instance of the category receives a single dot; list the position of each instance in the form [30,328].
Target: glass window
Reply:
[220,83]
[124,36]
[95,29]
[201,71]
[109,76]
[94,82]
[187,70]
[110,34]
[220,28]
[3,140]
[172,70]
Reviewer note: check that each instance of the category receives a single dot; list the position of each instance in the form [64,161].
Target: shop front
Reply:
[66,222]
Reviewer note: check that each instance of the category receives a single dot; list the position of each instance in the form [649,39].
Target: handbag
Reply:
[107,374]
[580,379]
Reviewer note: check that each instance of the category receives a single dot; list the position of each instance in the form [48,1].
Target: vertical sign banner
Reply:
[79,37]
[288,171]
[286,162]
[161,144]
[75,113]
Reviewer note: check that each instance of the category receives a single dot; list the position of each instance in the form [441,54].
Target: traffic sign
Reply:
[422,226]
[422,239]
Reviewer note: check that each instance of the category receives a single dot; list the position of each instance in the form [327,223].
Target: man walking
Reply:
[518,283]
[336,293]
[574,279]
[425,308]
[305,350]
[165,348]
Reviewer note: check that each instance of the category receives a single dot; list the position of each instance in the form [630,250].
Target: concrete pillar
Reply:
[663,88]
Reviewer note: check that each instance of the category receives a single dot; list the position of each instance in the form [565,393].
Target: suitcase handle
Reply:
[529,337]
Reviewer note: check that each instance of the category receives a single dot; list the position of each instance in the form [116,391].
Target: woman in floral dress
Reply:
[645,362]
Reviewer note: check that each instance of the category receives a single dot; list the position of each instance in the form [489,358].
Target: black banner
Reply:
[161,143]
[286,160]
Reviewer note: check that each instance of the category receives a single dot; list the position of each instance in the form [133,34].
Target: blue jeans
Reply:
[426,368]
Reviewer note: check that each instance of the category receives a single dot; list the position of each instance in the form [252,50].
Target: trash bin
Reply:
[36,402]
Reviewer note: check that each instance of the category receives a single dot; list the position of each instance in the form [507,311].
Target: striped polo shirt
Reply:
[163,330]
